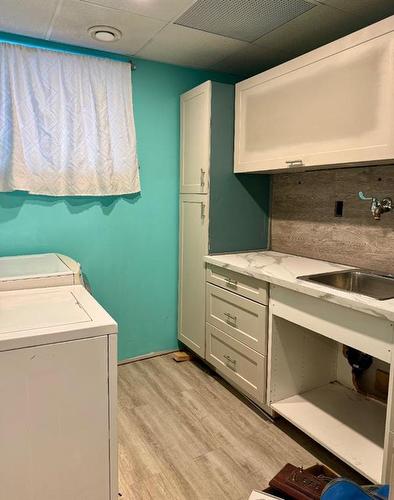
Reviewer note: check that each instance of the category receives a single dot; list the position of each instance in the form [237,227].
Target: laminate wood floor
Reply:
[183,434]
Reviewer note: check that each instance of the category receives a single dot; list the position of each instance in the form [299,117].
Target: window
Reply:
[66,124]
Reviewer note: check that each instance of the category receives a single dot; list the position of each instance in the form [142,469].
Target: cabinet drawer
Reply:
[246,286]
[240,318]
[238,363]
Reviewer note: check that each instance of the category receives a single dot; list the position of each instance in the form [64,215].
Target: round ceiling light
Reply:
[104,33]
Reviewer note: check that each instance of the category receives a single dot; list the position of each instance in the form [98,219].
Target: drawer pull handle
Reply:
[230,318]
[202,210]
[230,360]
[294,163]
[202,178]
[231,282]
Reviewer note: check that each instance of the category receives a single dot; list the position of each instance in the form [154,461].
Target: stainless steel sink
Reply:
[375,285]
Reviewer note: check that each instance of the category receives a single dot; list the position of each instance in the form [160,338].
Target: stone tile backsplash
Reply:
[304,223]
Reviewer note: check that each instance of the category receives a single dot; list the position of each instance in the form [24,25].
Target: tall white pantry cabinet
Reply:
[218,210]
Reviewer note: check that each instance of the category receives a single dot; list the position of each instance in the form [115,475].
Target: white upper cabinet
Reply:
[334,105]
[195,139]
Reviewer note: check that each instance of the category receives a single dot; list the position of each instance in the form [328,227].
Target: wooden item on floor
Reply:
[298,483]
[181,356]
[321,470]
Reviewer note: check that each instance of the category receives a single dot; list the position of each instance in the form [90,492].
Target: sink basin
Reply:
[375,285]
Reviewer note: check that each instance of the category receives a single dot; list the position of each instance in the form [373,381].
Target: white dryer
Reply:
[37,271]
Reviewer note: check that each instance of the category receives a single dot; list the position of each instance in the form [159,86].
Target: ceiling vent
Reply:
[105,33]
[245,20]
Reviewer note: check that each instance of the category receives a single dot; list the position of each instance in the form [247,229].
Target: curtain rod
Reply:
[62,47]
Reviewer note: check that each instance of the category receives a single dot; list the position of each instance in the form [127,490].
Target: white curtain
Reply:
[66,124]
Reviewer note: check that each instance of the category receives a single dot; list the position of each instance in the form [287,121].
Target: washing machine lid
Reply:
[48,315]
[44,310]
[36,271]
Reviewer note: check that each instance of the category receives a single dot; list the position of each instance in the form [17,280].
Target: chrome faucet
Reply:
[378,207]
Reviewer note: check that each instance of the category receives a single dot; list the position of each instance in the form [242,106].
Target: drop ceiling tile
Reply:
[189,47]
[30,18]
[158,9]
[249,61]
[313,29]
[74,18]
[371,10]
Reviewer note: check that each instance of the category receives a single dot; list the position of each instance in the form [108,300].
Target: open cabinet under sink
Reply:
[309,380]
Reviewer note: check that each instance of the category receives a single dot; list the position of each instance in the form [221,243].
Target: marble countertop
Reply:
[283,269]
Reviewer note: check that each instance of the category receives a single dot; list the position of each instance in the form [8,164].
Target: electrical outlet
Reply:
[339,208]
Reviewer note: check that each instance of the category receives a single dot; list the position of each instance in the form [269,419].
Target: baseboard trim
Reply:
[145,356]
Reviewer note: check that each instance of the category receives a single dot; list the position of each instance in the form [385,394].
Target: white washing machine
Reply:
[58,375]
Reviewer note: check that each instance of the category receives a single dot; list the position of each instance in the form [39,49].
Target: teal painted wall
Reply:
[128,246]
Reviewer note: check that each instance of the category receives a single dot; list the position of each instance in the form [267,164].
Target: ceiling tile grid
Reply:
[74,18]
[236,36]
[157,9]
[32,19]
[371,10]
[252,56]
[313,29]
[189,47]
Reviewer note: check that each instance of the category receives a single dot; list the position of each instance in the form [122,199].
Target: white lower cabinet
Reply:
[288,358]
[236,330]
[193,246]
[55,430]
[238,363]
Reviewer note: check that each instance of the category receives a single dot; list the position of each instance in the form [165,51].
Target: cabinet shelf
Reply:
[348,424]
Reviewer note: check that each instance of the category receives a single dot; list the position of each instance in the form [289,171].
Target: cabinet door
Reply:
[193,246]
[333,106]
[54,422]
[195,139]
